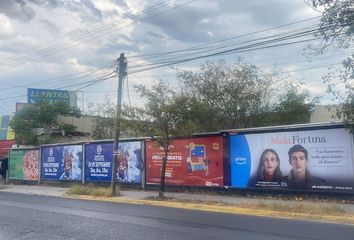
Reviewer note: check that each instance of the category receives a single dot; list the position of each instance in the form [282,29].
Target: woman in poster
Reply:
[269,173]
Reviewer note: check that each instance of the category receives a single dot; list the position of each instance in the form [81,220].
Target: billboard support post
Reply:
[83,175]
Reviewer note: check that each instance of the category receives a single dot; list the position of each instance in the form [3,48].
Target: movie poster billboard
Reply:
[61,162]
[191,162]
[301,160]
[99,157]
[23,164]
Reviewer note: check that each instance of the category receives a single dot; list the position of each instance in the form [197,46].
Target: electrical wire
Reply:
[55,49]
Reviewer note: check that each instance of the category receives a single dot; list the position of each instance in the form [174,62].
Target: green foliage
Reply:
[237,96]
[78,189]
[163,118]
[41,115]
[104,113]
[105,120]
[337,21]
[337,30]
[294,107]
[165,113]
[66,127]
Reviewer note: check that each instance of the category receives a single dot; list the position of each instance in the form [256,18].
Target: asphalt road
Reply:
[40,217]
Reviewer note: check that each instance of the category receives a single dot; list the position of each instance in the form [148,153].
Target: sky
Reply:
[74,44]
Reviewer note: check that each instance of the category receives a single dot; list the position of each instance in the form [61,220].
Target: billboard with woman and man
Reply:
[302,160]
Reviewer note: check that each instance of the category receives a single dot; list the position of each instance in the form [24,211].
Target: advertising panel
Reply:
[99,158]
[51,95]
[98,161]
[24,164]
[61,162]
[303,160]
[190,162]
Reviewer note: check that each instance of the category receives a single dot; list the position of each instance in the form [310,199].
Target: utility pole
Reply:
[122,73]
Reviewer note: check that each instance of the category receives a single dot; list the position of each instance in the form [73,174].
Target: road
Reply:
[40,217]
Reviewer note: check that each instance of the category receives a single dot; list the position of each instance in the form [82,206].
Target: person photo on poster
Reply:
[68,166]
[268,173]
[299,176]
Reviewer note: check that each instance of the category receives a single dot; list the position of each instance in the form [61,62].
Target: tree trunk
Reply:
[163,171]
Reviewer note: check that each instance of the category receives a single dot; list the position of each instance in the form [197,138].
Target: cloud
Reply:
[185,25]
[85,8]
[265,13]
[51,27]
[6,28]
[30,25]
[26,10]
[16,9]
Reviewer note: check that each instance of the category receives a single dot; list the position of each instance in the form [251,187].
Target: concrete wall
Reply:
[323,114]
[84,124]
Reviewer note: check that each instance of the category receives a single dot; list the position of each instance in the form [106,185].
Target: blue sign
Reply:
[99,158]
[99,161]
[50,95]
[240,161]
[62,162]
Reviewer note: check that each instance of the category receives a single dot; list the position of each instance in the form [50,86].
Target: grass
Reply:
[291,207]
[320,209]
[78,189]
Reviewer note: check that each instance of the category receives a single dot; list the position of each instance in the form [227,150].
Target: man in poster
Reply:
[299,176]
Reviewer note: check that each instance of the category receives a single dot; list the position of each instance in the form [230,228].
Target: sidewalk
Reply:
[129,195]
[204,202]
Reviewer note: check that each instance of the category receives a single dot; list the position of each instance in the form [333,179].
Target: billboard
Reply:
[303,160]
[190,162]
[23,164]
[51,95]
[61,162]
[99,156]
[5,146]
[6,133]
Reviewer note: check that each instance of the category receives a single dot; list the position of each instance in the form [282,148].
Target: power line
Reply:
[60,48]
[90,33]
[62,78]
[223,40]
[221,51]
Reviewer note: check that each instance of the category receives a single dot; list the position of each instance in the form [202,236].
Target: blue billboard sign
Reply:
[61,162]
[240,158]
[99,161]
[311,160]
[50,95]
[99,158]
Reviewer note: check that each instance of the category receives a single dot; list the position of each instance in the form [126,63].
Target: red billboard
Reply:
[5,146]
[191,162]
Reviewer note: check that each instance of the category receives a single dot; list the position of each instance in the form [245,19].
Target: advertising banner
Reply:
[61,162]
[99,161]
[190,162]
[99,157]
[51,95]
[303,160]
[24,164]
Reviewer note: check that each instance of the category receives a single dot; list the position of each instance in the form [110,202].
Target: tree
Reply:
[41,115]
[336,29]
[336,24]
[162,118]
[234,95]
[295,106]
[104,118]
